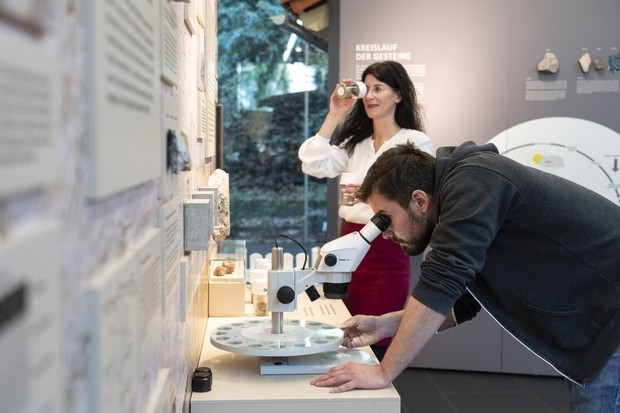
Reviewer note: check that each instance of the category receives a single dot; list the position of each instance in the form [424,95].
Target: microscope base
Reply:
[313,363]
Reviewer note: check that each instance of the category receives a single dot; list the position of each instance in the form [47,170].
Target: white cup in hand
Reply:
[347,178]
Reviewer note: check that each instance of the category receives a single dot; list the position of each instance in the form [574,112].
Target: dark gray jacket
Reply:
[540,253]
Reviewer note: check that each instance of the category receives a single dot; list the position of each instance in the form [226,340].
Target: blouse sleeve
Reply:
[420,139]
[321,159]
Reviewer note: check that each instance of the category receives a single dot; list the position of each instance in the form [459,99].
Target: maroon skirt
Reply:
[381,282]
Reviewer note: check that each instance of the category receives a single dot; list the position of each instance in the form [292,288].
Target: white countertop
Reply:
[237,384]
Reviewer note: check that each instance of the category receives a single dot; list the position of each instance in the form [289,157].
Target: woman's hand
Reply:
[341,107]
[338,111]
[348,194]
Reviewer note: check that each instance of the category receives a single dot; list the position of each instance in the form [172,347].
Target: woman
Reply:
[360,130]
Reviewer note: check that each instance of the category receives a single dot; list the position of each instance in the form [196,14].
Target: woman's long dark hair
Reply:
[358,126]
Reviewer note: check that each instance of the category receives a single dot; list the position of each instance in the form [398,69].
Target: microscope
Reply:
[336,261]
[283,337]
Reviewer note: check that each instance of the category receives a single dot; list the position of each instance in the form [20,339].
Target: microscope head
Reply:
[340,257]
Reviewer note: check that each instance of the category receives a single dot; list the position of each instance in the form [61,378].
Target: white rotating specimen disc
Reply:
[298,337]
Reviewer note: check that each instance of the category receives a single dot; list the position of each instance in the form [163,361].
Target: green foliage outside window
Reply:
[264,124]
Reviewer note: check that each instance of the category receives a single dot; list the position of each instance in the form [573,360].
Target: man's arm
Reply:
[419,323]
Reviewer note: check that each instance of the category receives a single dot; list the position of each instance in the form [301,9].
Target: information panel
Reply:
[151,321]
[114,342]
[29,114]
[30,326]
[169,220]
[124,96]
[169,43]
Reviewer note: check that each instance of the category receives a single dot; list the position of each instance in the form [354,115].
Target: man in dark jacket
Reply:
[540,253]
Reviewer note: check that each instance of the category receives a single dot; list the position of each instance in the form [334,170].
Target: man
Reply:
[540,253]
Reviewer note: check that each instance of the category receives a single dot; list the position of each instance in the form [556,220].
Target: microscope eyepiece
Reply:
[381,221]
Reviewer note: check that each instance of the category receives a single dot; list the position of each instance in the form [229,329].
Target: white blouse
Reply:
[322,160]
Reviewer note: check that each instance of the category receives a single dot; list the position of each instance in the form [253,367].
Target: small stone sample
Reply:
[219,271]
[613,63]
[549,63]
[178,158]
[599,63]
[585,61]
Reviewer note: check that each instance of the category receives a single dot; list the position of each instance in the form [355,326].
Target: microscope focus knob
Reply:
[330,260]
[286,295]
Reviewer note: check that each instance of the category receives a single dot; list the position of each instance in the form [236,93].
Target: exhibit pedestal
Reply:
[238,386]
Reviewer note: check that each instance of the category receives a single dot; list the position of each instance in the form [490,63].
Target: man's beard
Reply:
[417,245]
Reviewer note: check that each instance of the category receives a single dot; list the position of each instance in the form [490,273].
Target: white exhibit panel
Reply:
[201,53]
[200,12]
[212,82]
[150,322]
[169,43]
[30,325]
[191,269]
[170,223]
[189,17]
[168,182]
[29,114]
[114,343]
[579,150]
[202,120]
[31,16]
[185,299]
[196,270]
[160,394]
[124,110]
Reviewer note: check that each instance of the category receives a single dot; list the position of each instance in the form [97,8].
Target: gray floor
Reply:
[441,391]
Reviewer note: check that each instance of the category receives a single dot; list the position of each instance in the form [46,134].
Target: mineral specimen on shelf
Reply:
[219,179]
[549,63]
[599,63]
[585,61]
[178,157]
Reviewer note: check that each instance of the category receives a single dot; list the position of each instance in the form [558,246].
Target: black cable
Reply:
[275,241]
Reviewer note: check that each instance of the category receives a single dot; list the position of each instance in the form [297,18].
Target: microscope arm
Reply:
[337,260]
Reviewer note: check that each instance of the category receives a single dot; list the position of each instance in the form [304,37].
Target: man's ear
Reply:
[420,200]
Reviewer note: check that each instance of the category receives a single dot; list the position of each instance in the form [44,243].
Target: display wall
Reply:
[475,65]
[102,309]
[476,70]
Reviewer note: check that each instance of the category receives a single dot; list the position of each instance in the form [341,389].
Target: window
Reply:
[273,89]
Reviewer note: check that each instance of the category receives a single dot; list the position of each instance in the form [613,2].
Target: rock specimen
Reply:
[585,61]
[549,63]
[599,63]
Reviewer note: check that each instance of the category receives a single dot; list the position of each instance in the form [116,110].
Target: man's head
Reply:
[400,185]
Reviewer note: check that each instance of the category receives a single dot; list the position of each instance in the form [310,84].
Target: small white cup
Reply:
[259,296]
[345,179]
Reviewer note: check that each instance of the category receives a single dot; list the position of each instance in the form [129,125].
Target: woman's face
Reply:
[380,100]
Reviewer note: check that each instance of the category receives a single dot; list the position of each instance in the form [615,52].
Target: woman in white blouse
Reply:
[355,132]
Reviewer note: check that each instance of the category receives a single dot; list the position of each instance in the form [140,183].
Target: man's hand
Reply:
[364,330]
[361,330]
[351,376]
